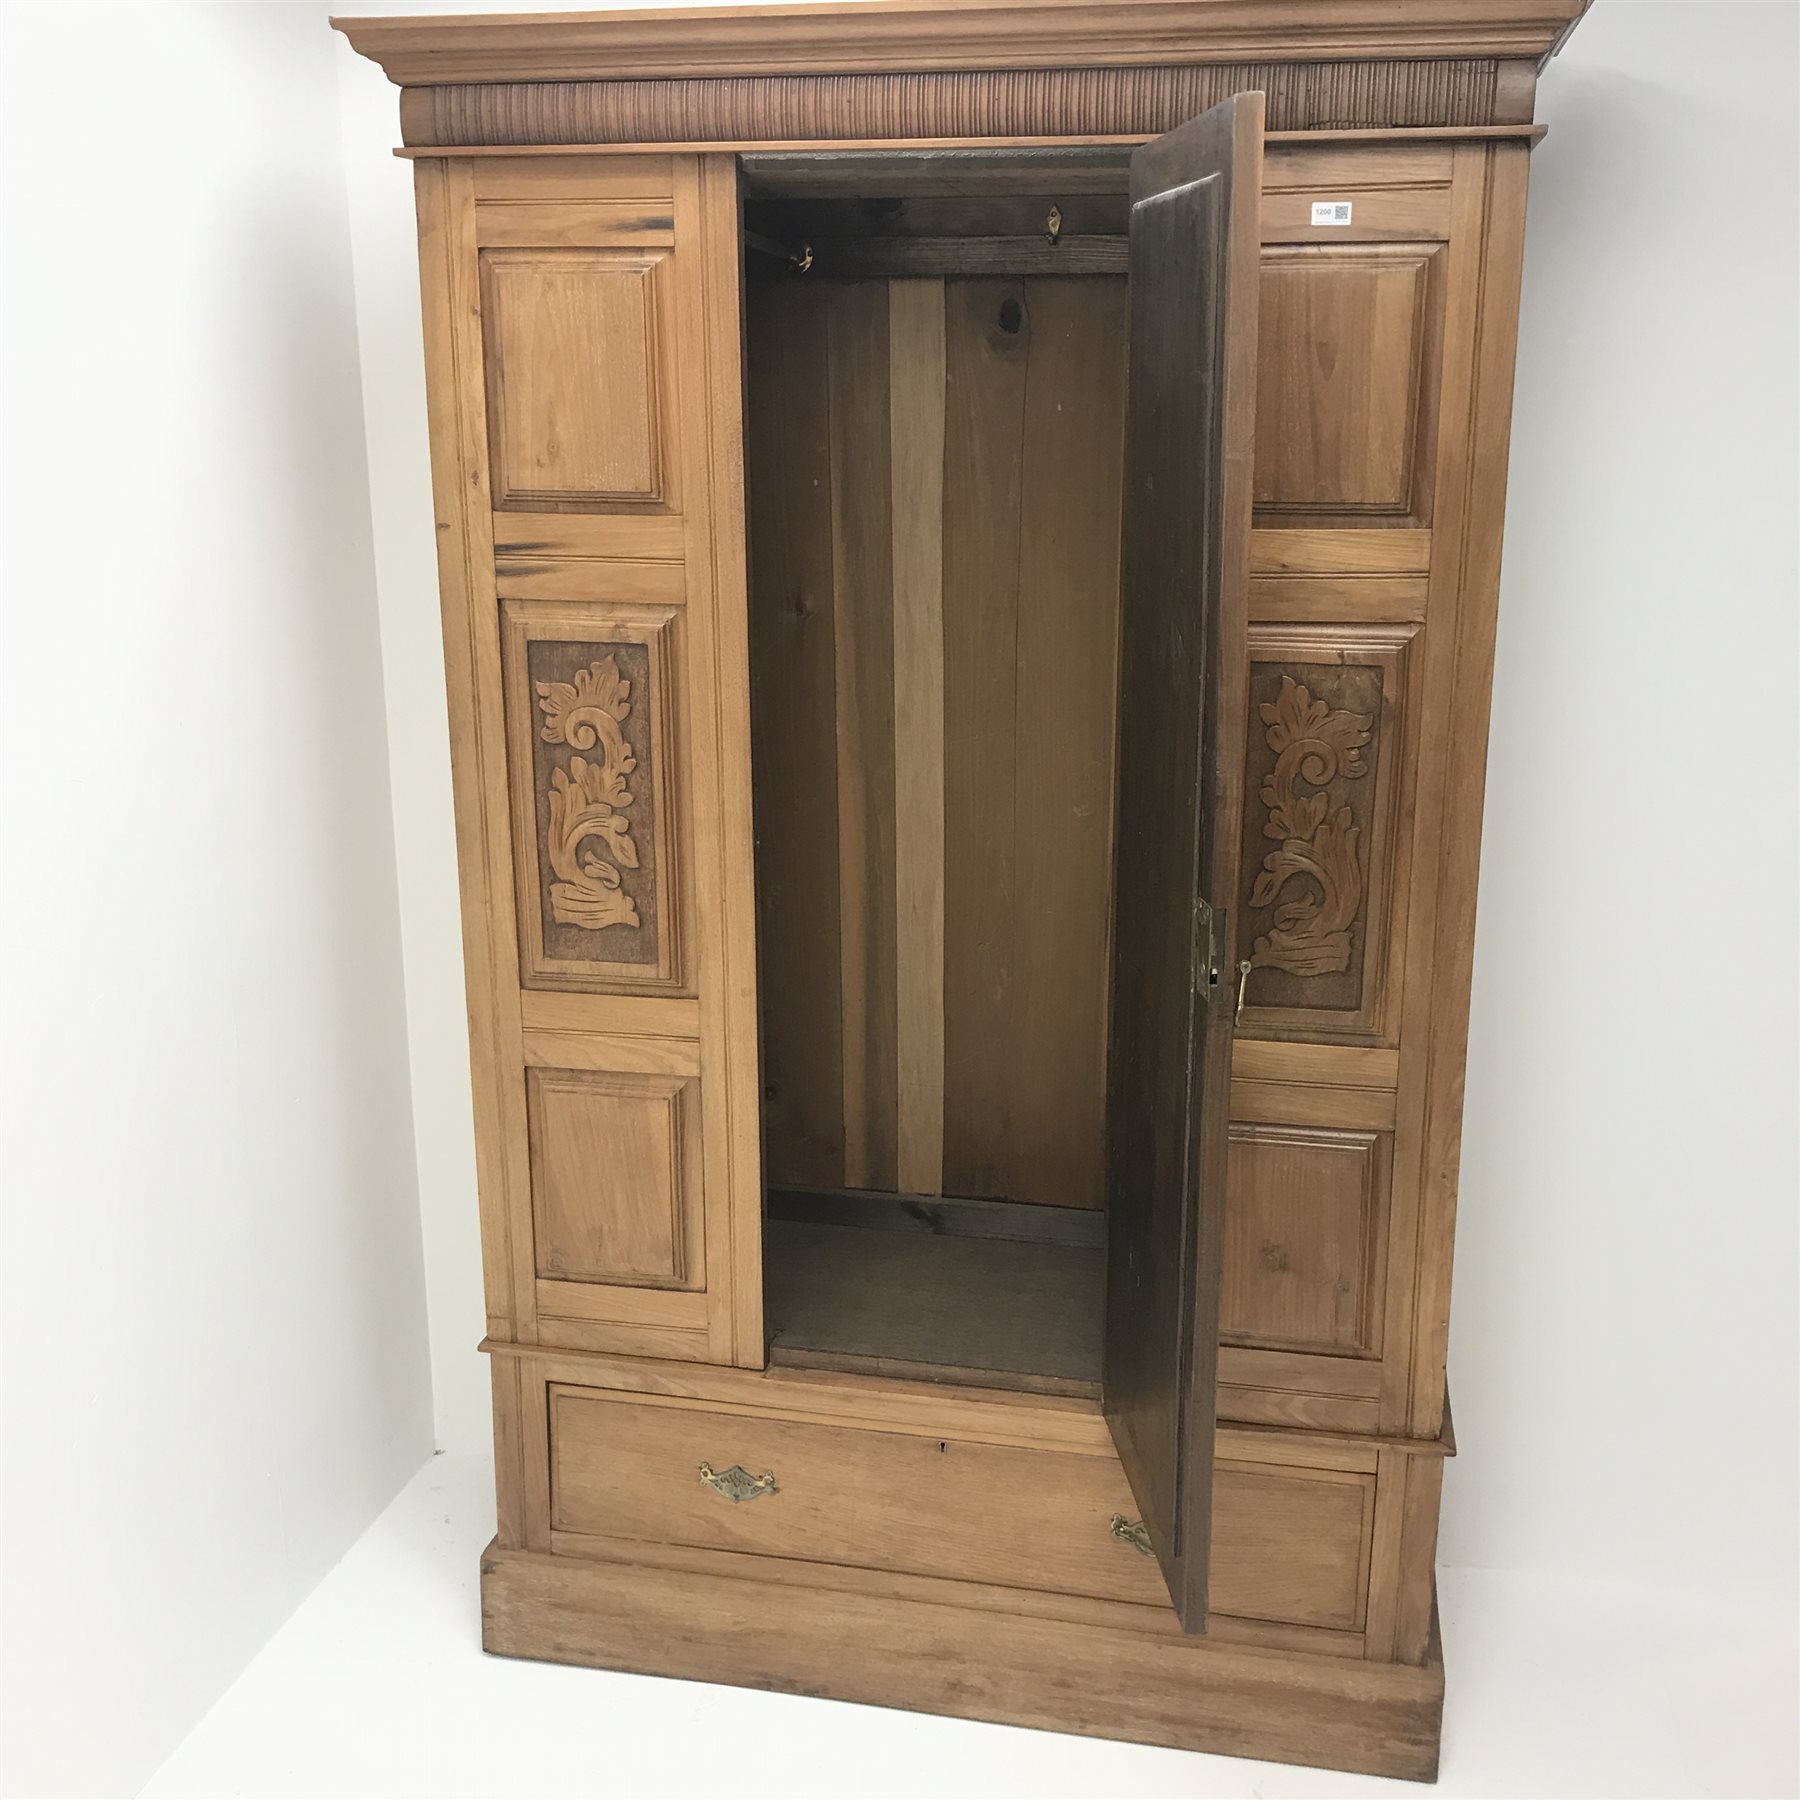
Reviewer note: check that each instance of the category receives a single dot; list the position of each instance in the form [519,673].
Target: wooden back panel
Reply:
[934,493]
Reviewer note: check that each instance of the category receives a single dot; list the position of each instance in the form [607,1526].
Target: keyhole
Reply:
[1012,316]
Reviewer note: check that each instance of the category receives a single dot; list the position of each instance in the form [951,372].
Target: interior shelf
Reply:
[987,1293]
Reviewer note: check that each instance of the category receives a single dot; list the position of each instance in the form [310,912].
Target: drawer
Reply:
[1290,1544]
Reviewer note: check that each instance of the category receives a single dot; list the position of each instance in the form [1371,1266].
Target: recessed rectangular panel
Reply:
[614,1177]
[1344,333]
[1292,1544]
[593,775]
[574,341]
[1304,1239]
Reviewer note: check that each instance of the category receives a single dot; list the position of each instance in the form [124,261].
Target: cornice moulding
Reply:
[874,36]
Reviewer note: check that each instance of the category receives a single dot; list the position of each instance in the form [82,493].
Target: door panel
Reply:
[1184,577]
[575,374]
[1305,1239]
[615,1177]
[582,331]
[1343,390]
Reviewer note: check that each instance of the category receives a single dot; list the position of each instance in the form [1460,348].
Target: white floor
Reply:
[377,1687]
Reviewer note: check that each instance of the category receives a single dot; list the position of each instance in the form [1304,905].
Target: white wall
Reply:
[1624,1355]
[387,298]
[1623,1349]
[214,1330]
[383,235]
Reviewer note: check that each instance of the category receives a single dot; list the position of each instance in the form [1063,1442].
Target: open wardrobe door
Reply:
[1195,194]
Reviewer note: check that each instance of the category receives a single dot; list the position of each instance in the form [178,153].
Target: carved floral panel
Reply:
[588,695]
[594,776]
[1315,745]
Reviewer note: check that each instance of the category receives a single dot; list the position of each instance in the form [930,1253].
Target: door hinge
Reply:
[1209,947]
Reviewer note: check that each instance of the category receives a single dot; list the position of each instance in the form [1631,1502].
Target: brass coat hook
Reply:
[798,260]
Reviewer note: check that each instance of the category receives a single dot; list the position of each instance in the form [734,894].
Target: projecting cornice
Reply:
[915,36]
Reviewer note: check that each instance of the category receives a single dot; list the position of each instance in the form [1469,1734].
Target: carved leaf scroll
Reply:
[590,834]
[1313,880]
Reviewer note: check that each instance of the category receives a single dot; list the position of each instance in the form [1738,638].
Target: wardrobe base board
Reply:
[747,1630]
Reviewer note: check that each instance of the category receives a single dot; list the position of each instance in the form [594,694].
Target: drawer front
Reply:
[1290,1545]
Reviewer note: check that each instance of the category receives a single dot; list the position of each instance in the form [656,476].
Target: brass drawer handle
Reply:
[1132,1532]
[737,1483]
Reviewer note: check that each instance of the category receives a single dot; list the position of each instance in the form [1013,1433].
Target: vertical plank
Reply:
[1480,323]
[1384,1555]
[987,351]
[709,336]
[534,1450]
[448,274]
[1065,712]
[863,645]
[794,700]
[509,1453]
[1459,851]
[916,387]
[1417,1583]
[1462,308]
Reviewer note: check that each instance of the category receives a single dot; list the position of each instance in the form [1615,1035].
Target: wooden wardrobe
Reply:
[969,539]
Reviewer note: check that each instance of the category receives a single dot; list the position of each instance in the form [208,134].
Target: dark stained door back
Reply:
[1185,565]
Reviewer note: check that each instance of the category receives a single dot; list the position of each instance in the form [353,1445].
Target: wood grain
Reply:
[579,381]
[616,1180]
[794,730]
[1377,214]
[946,34]
[1340,381]
[611,1052]
[1003,1517]
[1030,386]
[538,538]
[554,156]
[587,223]
[474,688]
[862,562]
[987,1312]
[734,108]
[1079,1609]
[1184,586]
[983,500]
[1065,726]
[1305,1239]
[710,335]
[916,424]
[1102,1680]
[1453,920]
[636,1015]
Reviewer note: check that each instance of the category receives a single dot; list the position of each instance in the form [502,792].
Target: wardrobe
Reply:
[969,539]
